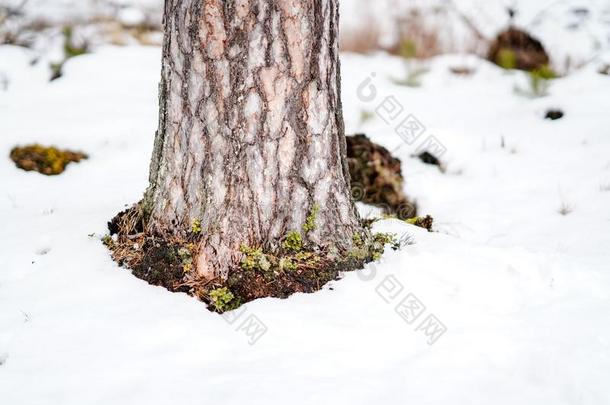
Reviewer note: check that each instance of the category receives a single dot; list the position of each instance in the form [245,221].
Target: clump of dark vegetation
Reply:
[47,160]
[554,114]
[423,222]
[516,49]
[376,177]
[604,70]
[295,267]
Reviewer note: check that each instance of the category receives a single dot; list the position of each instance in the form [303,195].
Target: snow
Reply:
[523,291]
[131,16]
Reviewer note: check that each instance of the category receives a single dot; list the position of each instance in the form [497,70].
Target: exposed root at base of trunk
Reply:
[170,263]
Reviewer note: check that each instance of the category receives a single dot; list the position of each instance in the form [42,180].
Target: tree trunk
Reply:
[250,135]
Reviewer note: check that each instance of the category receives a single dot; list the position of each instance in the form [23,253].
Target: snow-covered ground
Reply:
[523,292]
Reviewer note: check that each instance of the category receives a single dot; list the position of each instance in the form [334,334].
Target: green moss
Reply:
[379,242]
[286,263]
[171,255]
[108,241]
[357,239]
[408,49]
[293,241]
[359,253]
[373,247]
[544,72]
[309,259]
[196,226]
[506,59]
[422,222]
[384,238]
[223,300]
[254,259]
[46,160]
[310,222]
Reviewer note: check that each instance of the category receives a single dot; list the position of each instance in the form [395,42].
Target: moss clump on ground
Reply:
[376,177]
[47,160]
[423,222]
[222,300]
[516,49]
[254,259]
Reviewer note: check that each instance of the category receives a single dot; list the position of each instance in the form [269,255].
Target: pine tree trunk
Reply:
[250,133]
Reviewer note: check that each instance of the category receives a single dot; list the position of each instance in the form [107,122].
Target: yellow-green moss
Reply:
[507,59]
[357,239]
[47,160]
[254,259]
[422,222]
[310,221]
[196,226]
[309,259]
[408,49]
[223,300]
[286,263]
[108,241]
[373,247]
[293,241]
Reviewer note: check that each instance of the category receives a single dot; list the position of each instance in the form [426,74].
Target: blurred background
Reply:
[572,32]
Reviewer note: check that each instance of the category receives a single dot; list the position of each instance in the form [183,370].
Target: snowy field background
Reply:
[524,291]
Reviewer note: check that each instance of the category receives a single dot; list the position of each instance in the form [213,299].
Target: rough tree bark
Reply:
[250,134]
